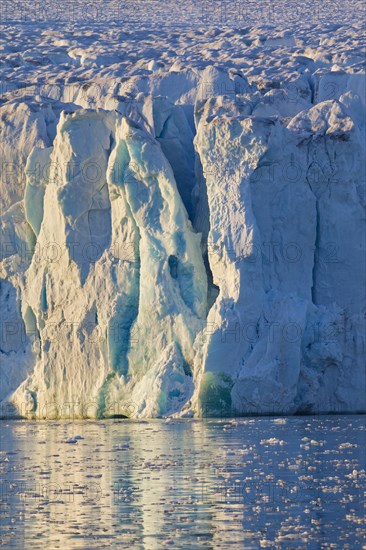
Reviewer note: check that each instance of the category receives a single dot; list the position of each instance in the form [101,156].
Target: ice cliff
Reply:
[192,244]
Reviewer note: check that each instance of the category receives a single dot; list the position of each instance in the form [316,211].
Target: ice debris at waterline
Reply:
[170,253]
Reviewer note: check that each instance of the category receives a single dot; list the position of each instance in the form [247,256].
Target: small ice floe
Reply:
[230,425]
[272,441]
[279,421]
[264,543]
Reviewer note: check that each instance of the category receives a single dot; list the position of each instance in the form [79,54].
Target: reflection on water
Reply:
[247,483]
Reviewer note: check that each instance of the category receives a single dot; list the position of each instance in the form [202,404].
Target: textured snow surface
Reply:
[182,209]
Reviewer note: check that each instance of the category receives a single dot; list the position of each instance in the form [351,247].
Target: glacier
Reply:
[185,240]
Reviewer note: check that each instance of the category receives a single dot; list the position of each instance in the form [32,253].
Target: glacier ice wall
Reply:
[194,245]
[286,230]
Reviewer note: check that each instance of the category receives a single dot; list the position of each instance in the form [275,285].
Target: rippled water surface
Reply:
[248,483]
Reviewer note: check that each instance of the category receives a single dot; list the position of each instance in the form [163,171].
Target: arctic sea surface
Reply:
[282,483]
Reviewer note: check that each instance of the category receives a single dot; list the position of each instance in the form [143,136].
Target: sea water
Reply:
[294,482]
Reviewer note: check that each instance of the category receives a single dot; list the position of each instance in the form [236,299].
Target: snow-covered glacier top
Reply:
[182,208]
